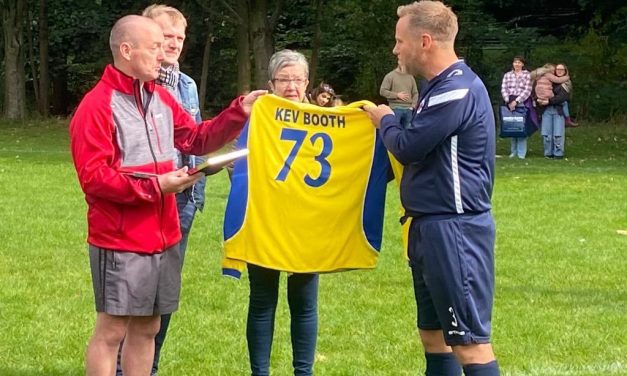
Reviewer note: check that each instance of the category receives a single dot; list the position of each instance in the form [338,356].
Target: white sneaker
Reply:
[512,155]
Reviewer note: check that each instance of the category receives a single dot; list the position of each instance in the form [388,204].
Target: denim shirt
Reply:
[187,93]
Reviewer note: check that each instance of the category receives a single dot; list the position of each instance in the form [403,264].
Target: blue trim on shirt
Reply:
[374,203]
[238,197]
[234,273]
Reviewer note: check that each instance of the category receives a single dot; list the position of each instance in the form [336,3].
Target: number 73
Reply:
[298,136]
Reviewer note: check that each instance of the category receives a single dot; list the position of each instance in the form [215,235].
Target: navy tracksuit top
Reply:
[449,148]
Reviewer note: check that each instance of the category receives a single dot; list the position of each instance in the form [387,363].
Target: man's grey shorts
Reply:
[135,284]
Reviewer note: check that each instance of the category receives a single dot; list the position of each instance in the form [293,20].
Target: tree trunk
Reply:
[60,92]
[44,75]
[30,41]
[14,85]
[204,79]
[243,49]
[261,38]
[315,46]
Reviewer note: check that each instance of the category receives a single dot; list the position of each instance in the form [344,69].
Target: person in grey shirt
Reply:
[400,89]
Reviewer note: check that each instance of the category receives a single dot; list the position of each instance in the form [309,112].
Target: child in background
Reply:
[322,96]
[544,78]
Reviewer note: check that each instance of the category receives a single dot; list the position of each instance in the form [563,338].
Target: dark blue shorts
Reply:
[452,263]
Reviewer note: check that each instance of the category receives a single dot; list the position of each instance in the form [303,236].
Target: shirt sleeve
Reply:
[504,92]
[232,268]
[210,135]
[94,153]
[386,85]
[441,117]
[560,97]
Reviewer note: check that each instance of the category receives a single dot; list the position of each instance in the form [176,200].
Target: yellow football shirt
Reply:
[310,195]
[397,169]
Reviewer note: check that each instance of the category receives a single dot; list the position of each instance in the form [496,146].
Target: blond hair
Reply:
[432,17]
[539,72]
[568,85]
[155,10]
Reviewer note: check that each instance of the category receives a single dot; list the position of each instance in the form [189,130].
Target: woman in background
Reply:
[553,121]
[515,89]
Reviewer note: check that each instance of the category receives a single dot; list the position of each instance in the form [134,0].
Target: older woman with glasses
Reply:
[289,75]
[289,72]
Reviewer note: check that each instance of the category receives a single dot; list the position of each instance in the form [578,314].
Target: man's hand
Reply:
[403,96]
[177,181]
[250,98]
[377,113]
[512,105]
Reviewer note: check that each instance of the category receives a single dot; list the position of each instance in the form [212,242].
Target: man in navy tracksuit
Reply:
[448,156]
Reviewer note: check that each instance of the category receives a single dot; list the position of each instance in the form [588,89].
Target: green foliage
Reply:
[79,32]
[294,29]
[357,51]
[83,77]
[357,40]
[222,80]
[597,70]
[560,272]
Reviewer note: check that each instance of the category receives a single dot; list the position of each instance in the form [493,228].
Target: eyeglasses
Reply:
[287,81]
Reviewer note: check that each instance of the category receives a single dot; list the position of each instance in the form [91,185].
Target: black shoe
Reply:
[548,157]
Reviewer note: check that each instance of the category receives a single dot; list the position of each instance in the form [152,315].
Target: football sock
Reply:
[442,364]
[488,369]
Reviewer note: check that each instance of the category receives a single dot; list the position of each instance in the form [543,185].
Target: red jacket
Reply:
[112,136]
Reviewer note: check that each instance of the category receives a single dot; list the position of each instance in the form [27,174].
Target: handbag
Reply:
[513,123]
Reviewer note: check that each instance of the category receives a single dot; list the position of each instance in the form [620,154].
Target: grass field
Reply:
[561,300]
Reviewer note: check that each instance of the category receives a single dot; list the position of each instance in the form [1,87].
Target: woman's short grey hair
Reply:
[283,58]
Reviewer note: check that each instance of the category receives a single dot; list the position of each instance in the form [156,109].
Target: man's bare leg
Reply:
[101,354]
[138,350]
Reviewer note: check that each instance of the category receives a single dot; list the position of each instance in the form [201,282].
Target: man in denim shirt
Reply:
[185,91]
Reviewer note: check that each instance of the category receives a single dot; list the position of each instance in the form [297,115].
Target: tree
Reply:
[30,41]
[315,45]
[44,76]
[202,90]
[243,47]
[348,42]
[240,17]
[79,48]
[14,74]
[39,67]
[262,40]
